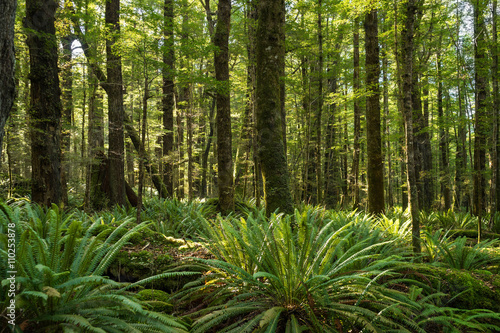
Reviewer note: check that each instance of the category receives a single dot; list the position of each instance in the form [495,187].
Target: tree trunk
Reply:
[114,89]
[481,127]
[67,111]
[142,150]
[495,181]
[269,54]
[375,168]
[45,109]
[319,109]
[7,62]
[443,140]
[357,118]
[223,117]
[385,66]
[407,57]
[168,100]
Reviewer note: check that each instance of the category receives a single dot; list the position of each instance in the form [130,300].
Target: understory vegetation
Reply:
[186,268]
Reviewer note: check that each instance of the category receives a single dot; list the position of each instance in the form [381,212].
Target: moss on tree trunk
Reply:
[269,52]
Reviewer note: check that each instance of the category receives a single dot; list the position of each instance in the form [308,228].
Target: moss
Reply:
[464,289]
[473,234]
[156,300]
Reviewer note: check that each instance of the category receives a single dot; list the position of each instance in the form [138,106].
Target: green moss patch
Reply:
[464,289]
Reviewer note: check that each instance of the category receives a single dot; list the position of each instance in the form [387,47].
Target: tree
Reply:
[116,112]
[408,62]
[168,100]
[269,51]
[375,170]
[357,116]
[223,117]
[45,108]
[7,62]
[481,128]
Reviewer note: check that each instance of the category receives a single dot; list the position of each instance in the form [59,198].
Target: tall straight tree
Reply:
[495,177]
[45,108]
[269,53]
[223,117]
[357,116]
[116,111]
[7,61]
[168,99]
[375,169]
[481,128]
[408,62]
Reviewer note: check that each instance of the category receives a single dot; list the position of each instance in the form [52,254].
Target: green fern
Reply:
[61,287]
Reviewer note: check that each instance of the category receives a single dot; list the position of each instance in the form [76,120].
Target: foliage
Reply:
[59,276]
[458,253]
[172,217]
[270,276]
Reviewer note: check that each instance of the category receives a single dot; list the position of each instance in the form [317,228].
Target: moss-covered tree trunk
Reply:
[7,61]
[223,117]
[269,53]
[168,100]
[116,151]
[481,120]
[375,169]
[357,118]
[67,112]
[407,85]
[45,108]
[443,140]
[495,177]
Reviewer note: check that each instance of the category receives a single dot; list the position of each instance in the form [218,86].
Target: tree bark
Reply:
[269,51]
[481,127]
[375,169]
[443,140]
[223,117]
[116,112]
[357,118]
[45,109]
[67,111]
[407,57]
[168,100]
[7,62]
[495,180]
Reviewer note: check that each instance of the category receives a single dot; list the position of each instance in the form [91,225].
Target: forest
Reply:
[249,166]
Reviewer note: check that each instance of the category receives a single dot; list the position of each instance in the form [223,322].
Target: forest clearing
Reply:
[249,166]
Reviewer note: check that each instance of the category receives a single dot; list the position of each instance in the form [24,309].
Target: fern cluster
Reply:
[60,282]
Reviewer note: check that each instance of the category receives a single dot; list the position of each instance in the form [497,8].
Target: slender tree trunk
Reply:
[95,197]
[269,51]
[223,117]
[461,159]
[424,138]
[204,163]
[481,128]
[7,62]
[407,55]
[495,181]
[385,82]
[67,111]
[319,111]
[375,169]
[142,149]
[168,100]
[45,109]
[357,117]
[114,89]
[443,149]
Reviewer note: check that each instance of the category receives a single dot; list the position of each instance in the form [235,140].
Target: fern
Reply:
[61,287]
